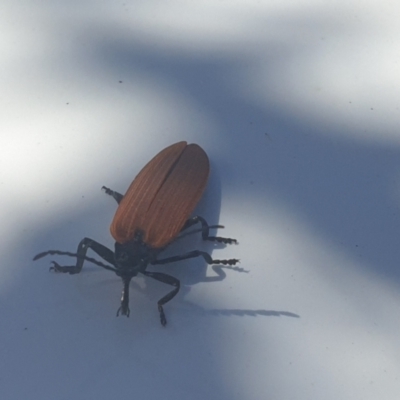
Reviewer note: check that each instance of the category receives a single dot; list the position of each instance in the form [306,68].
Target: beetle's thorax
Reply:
[133,257]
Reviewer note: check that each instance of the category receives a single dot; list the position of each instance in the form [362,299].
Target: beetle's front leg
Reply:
[170,280]
[117,196]
[205,230]
[124,308]
[84,245]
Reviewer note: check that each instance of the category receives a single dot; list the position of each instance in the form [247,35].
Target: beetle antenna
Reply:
[67,253]
[199,230]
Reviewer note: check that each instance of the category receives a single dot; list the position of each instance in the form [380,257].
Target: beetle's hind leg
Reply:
[170,280]
[205,230]
[117,196]
[84,245]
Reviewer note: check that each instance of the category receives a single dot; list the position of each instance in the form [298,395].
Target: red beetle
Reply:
[155,209]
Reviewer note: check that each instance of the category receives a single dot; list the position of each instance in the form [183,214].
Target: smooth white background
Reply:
[297,105]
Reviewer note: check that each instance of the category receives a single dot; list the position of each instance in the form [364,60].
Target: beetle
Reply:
[151,215]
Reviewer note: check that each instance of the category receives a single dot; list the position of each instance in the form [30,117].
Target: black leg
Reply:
[83,247]
[205,230]
[124,309]
[170,280]
[117,196]
[194,254]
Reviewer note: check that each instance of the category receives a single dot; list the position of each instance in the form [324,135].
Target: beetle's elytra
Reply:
[155,209]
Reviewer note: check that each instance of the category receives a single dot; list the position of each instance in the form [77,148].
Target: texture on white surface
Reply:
[297,105]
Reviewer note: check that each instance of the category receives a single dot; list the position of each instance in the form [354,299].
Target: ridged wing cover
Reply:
[163,195]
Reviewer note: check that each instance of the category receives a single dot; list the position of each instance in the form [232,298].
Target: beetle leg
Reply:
[83,247]
[205,230]
[194,254]
[169,280]
[117,196]
[124,309]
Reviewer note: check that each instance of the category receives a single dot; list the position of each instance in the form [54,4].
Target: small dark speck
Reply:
[25,329]
[251,182]
[120,81]
[67,103]
[349,102]
[372,109]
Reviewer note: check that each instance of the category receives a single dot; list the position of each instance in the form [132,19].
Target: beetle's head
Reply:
[133,256]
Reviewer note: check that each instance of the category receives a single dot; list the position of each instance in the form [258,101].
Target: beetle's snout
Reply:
[122,258]
[126,263]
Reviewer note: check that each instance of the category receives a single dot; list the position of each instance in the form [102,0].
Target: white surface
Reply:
[297,105]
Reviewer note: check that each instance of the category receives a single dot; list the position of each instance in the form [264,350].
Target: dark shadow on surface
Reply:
[247,313]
